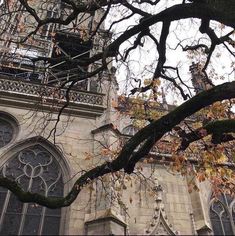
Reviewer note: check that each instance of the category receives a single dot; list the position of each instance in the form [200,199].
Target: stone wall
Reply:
[75,138]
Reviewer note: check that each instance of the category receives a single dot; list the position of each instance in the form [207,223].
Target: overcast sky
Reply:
[141,59]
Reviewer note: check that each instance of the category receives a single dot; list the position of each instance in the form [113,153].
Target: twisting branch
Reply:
[142,89]
[153,38]
[196,47]
[153,3]
[134,9]
[217,129]
[162,48]
[146,136]
[30,10]
[185,96]
[77,7]
[137,43]
[173,13]
[120,20]
[205,28]
[67,97]
[142,152]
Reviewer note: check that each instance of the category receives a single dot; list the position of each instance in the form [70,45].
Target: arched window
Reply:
[8,129]
[6,132]
[36,170]
[222,215]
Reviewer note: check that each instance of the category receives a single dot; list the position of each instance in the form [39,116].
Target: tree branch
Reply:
[148,135]
[218,129]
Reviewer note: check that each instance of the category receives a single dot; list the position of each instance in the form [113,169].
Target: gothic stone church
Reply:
[29,105]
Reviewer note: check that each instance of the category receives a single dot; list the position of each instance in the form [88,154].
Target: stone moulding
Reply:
[104,220]
[45,96]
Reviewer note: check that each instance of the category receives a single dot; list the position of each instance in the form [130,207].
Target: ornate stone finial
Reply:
[164,102]
[199,80]
[158,188]
[159,224]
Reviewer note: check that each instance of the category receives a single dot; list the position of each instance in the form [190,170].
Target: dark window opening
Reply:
[70,45]
[36,170]
[73,46]
[222,215]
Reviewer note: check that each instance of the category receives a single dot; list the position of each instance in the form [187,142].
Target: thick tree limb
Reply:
[218,129]
[221,11]
[162,48]
[174,13]
[146,136]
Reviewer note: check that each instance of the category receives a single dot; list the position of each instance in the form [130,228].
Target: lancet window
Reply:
[222,215]
[36,170]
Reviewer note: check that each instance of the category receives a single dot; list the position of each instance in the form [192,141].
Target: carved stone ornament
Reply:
[36,170]
[44,91]
[159,224]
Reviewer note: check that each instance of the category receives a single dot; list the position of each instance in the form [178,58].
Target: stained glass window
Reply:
[6,132]
[36,170]
[222,214]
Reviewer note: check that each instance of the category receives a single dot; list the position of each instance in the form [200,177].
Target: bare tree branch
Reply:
[126,159]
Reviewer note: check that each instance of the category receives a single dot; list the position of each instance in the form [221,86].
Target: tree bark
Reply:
[126,159]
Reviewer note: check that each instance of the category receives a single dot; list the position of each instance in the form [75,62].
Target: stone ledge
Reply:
[104,214]
[105,222]
[19,93]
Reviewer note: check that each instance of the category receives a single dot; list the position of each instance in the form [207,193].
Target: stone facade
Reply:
[81,130]
[85,126]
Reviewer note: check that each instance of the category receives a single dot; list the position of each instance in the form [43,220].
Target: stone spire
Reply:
[199,81]
[164,102]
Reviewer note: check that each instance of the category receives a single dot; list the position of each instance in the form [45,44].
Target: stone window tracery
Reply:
[222,215]
[6,132]
[36,170]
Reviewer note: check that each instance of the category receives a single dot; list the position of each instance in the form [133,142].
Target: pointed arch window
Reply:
[222,215]
[36,170]
[6,132]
